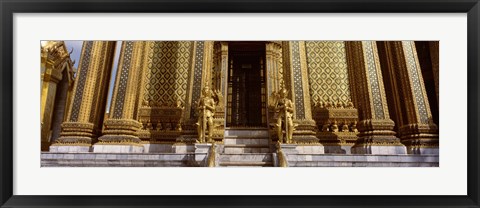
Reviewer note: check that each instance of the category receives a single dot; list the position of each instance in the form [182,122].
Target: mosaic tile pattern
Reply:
[197,75]
[83,71]
[167,71]
[122,84]
[327,71]
[415,78]
[297,81]
[98,85]
[370,61]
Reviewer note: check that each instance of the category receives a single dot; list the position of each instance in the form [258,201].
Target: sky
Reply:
[77,50]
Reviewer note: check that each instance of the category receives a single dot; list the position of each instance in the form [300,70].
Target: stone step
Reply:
[245,148]
[246,132]
[246,164]
[246,157]
[247,140]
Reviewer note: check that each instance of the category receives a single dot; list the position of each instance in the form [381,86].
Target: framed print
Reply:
[247,104]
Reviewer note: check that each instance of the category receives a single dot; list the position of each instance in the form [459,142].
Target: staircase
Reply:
[246,148]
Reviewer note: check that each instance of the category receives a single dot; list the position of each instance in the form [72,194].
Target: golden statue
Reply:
[284,110]
[206,110]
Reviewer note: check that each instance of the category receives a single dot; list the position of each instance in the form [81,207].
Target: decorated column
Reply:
[202,74]
[219,69]
[85,114]
[376,135]
[223,47]
[417,129]
[208,64]
[296,81]
[273,52]
[120,132]
[273,65]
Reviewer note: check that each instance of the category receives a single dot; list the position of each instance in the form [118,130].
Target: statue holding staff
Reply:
[284,109]
[206,111]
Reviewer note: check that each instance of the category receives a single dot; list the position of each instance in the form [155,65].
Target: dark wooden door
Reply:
[246,81]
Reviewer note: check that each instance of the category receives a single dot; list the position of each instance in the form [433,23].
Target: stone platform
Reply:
[198,160]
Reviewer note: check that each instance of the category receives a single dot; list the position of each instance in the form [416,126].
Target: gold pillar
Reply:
[376,128]
[200,75]
[417,130]
[296,81]
[273,52]
[219,85]
[224,69]
[208,64]
[220,67]
[270,66]
[196,79]
[85,115]
[121,128]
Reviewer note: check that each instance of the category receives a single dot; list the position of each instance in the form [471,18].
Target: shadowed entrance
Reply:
[246,85]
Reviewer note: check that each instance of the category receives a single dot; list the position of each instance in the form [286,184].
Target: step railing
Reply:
[282,158]
[212,155]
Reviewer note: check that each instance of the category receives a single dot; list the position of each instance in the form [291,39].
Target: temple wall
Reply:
[327,71]
[331,101]
[167,71]
[334,85]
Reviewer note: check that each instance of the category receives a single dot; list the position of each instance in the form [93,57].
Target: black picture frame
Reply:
[10,7]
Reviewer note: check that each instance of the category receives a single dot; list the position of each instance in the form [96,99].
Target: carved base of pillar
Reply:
[72,144]
[118,144]
[118,148]
[118,139]
[75,134]
[377,137]
[120,136]
[304,132]
[421,139]
[422,146]
[121,130]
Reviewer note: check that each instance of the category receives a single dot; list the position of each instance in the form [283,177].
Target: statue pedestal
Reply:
[70,148]
[201,153]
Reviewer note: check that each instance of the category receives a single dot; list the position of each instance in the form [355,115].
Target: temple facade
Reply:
[242,103]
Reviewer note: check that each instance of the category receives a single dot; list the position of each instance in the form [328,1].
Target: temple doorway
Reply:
[246,106]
